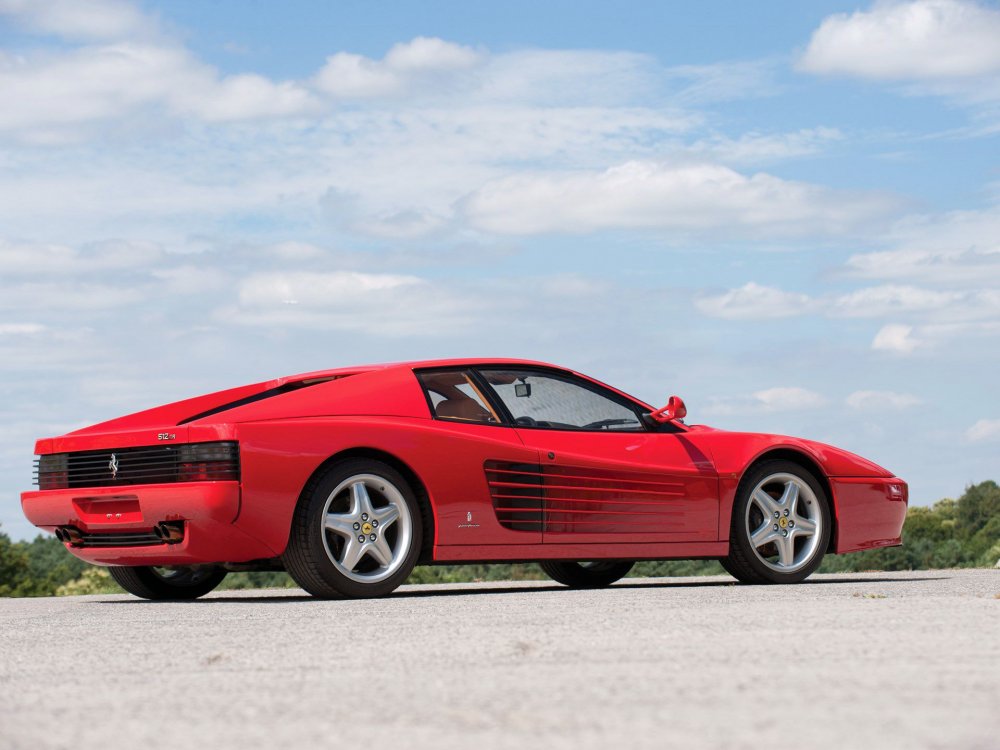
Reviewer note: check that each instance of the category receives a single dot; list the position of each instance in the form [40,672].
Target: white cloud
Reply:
[50,95]
[957,247]
[938,317]
[422,54]
[400,225]
[392,305]
[190,279]
[406,169]
[984,430]
[461,120]
[247,97]
[725,81]
[923,39]
[420,61]
[955,257]
[891,299]
[958,265]
[294,251]
[33,259]
[560,77]
[318,290]
[754,148]
[385,305]
[91,20]
[754,302]
[37,297]
[20,329]
[872,401]
[87,84]
[571,285]
[648,195]
[896,338]
[768,401]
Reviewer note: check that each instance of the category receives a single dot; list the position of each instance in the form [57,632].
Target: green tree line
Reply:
[958,533]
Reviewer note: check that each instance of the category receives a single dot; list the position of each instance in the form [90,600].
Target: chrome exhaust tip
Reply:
[170,533]
[72,536]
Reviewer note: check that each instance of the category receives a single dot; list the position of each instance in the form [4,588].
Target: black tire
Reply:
[756,565]
[168,583]
[312,552]
[586,575]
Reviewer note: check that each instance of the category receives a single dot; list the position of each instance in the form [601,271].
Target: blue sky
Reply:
[785,212]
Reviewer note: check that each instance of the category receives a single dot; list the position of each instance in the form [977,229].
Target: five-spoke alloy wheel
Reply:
[781,525]
[356,532]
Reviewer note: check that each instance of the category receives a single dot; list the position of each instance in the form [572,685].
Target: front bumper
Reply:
[208,511]
[870,512]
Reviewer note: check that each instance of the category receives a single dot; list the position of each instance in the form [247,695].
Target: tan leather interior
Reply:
[458,403]
[462,408]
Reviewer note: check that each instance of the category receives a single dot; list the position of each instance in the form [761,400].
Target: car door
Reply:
[602,474]
[468,436]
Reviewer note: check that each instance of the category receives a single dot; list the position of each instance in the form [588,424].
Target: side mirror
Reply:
[675,409]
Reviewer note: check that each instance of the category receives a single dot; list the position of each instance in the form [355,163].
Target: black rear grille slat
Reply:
[161,464]
[88,460]
[120,539]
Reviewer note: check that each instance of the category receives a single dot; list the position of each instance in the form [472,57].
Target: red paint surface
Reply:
[603,494]
[868,514]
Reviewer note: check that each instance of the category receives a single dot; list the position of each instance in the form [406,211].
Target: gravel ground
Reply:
[886,660]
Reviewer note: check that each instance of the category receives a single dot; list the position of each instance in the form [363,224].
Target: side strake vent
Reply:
[160,464]
[516,490]
[577,499]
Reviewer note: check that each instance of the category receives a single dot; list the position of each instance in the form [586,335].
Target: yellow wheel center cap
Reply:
[366,528]
[783,522]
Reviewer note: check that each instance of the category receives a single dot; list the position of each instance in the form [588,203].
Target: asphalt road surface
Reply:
[879,660]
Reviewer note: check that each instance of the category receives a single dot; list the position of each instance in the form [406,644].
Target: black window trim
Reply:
[507,419]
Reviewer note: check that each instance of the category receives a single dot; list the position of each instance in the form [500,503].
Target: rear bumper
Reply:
[208,510]
[870,512]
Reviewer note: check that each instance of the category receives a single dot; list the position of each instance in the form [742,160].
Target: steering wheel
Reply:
[526,422]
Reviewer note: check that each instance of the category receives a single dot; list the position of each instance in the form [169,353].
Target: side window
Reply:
[538,399]
[453,395]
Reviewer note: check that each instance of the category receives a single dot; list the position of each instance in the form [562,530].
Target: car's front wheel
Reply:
[356,533]
[586,575]
[780,525]
[168,583]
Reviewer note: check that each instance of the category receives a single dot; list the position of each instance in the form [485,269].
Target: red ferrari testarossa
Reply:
[348,478]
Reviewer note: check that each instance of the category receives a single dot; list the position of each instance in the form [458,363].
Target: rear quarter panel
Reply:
[280,456]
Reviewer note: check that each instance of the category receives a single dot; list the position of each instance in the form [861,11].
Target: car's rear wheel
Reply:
[168,583]
[586,575]
[356,532]
[780,525]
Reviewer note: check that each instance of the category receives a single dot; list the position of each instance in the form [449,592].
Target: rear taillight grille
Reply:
[160,464]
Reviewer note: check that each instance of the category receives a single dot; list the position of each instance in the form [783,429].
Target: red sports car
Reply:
[348,478]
